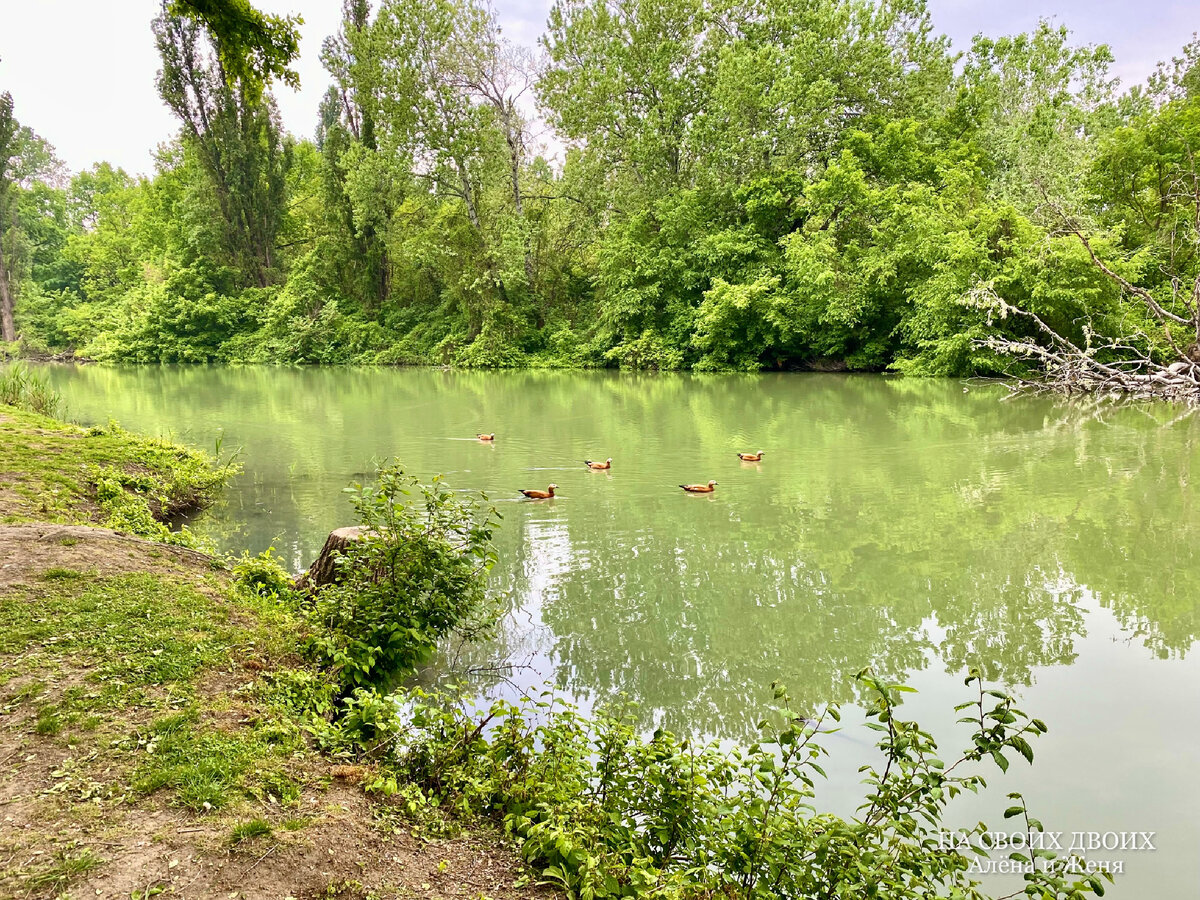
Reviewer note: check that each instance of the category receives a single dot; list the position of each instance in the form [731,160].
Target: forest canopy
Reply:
[740,186]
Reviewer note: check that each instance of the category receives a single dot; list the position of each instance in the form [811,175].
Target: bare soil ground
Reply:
[80,702]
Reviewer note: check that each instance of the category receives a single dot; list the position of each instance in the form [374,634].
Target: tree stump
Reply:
[324,569]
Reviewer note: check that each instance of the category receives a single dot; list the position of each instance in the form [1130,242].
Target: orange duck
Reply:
[547,494]
[751,457]
[487,437]
[592,464]
[699,488]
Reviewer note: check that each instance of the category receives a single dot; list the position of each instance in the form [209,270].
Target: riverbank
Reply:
[156,721]
[224,712]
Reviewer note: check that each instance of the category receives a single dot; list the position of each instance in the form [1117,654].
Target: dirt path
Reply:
[28,550]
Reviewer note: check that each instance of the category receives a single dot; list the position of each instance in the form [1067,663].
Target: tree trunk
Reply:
[8,329]
[324,569]
[514,162]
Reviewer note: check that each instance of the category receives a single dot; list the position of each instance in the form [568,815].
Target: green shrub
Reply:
[601,811]
[262,576]
[489,351]
[416,576]
[649,351]
[297,695]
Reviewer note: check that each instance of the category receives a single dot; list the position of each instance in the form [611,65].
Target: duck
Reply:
[699,488]
[487,437]
[547,494]
[751,457]
[592,464]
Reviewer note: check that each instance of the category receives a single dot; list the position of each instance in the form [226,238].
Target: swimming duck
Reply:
[751,457]
[591,464]
[699,488]
[541,495]
[487,437]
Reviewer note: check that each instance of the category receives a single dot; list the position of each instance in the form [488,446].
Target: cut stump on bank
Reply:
[324,569]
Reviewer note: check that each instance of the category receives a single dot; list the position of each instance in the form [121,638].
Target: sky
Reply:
[82,71]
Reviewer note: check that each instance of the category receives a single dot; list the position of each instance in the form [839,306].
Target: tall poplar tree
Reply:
[231,125]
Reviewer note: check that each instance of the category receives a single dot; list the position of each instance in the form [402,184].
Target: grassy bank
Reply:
[159,732]
[63,474]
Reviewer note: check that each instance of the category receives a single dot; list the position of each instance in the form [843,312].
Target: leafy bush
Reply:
[601,811]
[489,351]
[26,389]
[416,575]
[498,345]
[262,576]
[649,351]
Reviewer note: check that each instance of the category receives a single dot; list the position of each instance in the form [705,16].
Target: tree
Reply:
[254,48]
[357,180]
[8,150]
[449,92]
[1139,230]
[233,128]
[24,158]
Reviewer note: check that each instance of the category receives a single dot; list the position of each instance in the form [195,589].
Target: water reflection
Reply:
[898,524]
[903,525]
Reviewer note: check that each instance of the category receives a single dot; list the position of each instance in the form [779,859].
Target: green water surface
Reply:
[916,527]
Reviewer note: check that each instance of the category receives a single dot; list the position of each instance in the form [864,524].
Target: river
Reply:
[916,527]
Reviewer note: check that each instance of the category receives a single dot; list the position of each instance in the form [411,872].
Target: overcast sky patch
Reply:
[82,72]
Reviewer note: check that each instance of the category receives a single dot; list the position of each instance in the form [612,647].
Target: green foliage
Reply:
[230,127]
[30,390]
[763,186]
[157,483]
[601,811]
[298,695]
[263,576]
[253,46]
[414,576]
[26,163]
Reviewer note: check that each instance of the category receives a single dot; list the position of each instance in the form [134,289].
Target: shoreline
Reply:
[174,757]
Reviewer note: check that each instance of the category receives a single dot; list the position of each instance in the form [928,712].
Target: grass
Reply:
[207,769]
[248,831]
[27,389]
[60,573]
[48,721]
[136,679]
[54,472]
[62,871]
[139,645]
[130,630]
[203,768]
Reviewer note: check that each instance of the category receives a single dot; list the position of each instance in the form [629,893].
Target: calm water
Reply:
[910,526]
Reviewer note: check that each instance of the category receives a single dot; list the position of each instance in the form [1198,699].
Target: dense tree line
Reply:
[743,186]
